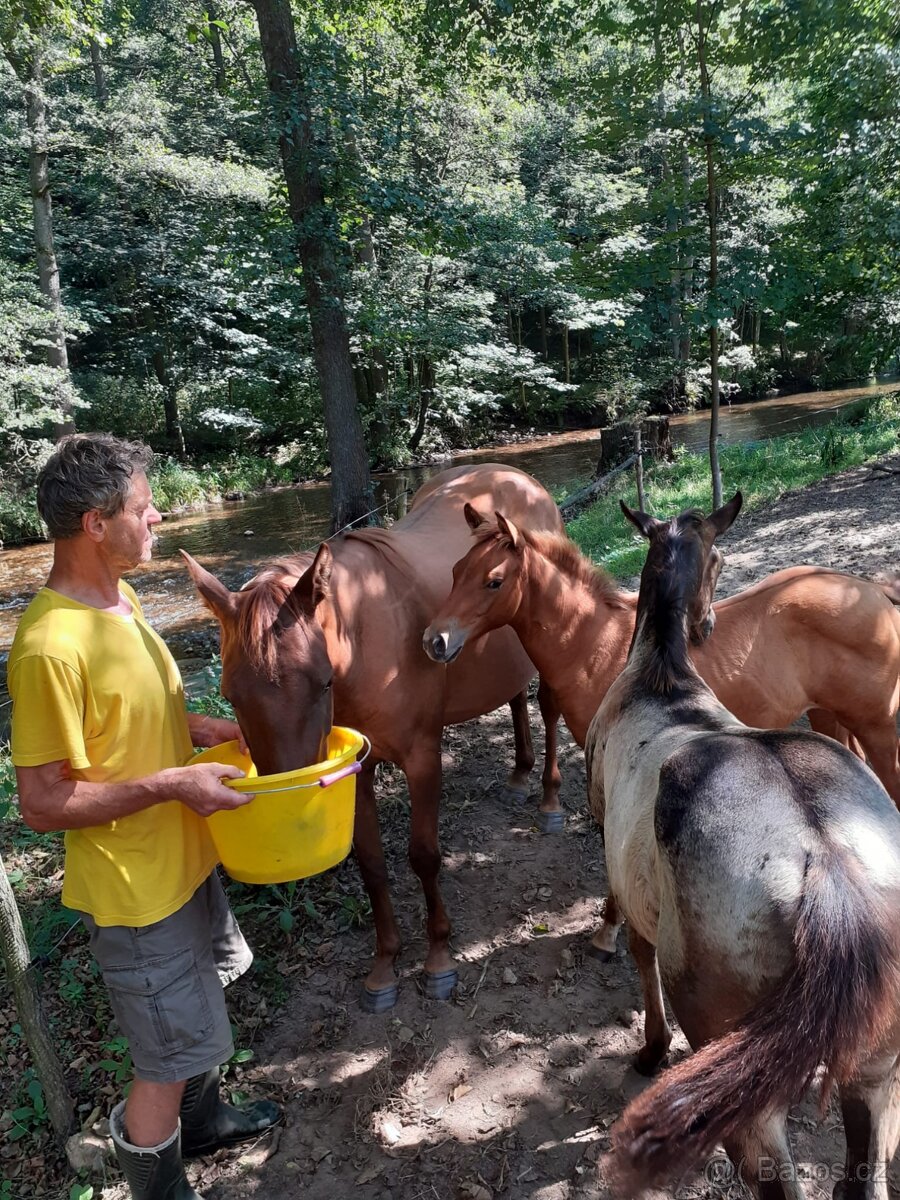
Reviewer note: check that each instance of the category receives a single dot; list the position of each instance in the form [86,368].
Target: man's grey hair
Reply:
[87,471]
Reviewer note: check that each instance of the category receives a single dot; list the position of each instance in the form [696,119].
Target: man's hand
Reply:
[201,788]
[212,731]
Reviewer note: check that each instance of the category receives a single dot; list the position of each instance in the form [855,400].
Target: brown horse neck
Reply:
[575,626]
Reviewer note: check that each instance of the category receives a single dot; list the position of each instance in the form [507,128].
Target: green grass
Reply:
[176,484]
[763,471]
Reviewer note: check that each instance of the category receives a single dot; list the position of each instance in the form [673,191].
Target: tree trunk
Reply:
[174,432]
[544,351]
[100,92]
[215,40]
[366,252]
[711,201]
[426,393]
[565,351]
[47,1066]
[42,209]
[523,397]
[351,485]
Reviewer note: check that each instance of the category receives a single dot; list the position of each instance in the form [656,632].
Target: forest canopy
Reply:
[499,214]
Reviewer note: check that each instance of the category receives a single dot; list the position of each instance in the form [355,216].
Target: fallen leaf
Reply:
[457,1092]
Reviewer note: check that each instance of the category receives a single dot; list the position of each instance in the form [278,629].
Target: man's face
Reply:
[129,534]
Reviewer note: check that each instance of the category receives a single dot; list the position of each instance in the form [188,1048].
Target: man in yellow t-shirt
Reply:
[100,742]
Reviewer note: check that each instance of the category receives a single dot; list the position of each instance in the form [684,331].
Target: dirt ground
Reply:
[511,1087]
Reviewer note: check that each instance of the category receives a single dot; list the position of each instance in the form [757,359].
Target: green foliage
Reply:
[117,1059]
[515,201]
[177,485]
[29,1111]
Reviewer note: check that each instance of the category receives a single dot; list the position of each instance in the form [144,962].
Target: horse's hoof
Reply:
[649,1064]
[603,956]
[381,1000]
[439,985]
[551,822]
[519,795]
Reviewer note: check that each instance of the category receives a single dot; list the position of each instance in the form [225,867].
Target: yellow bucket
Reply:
[299,824]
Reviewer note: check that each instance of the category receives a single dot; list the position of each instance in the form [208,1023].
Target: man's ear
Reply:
[93,523]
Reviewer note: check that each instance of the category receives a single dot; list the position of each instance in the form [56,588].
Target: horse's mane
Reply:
[263,596]
[562,552]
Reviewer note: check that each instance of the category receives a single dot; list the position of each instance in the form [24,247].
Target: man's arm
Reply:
[50,799]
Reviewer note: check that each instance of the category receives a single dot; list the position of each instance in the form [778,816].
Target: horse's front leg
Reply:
[657,1035]
[551,817]
[423,774]
[517,783]
[381,990]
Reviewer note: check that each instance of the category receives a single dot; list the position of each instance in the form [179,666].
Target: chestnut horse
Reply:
[804,640]
[346,625]
[760,874]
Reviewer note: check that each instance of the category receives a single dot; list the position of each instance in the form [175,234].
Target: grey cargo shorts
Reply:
[165,984]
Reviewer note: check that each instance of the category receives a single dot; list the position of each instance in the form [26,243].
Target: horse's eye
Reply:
[493,584]
[327,687]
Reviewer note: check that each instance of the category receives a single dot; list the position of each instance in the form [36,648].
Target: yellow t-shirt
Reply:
[103,691]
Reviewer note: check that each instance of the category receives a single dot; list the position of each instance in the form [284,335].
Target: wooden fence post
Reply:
[639,469]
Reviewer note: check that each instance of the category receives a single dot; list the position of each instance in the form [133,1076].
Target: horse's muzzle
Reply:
[441,646]
[701,631]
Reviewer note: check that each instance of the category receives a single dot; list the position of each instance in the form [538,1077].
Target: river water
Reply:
[231,539]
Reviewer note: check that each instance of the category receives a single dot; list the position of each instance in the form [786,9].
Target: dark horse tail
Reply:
[832,1007]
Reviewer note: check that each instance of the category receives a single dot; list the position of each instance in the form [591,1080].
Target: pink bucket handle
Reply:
[336,776]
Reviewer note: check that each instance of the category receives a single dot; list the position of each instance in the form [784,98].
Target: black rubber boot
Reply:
[208,1123]
[153,1172]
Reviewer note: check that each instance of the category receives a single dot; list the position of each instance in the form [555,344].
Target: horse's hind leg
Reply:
[871,1110]
[380,991]
[763,1159]
[517,783]
[881,747]
[423,774]
[603,942]
[877,742]
[823,721]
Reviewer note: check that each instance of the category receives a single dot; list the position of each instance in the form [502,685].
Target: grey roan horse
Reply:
[759,872]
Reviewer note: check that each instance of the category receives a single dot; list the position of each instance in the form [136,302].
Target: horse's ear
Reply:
[643,521]
[214,594]
[312,586]
[508,530]
[473,517]
[723,517]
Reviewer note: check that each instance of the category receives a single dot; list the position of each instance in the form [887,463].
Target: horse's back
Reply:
[440,501]
[741,816]
[414,561]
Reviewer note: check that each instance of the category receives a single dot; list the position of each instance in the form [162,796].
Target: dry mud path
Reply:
[510,1089]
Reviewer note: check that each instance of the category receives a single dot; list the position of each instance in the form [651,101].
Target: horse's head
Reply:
[683,553]
[487,588]
[276,672]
